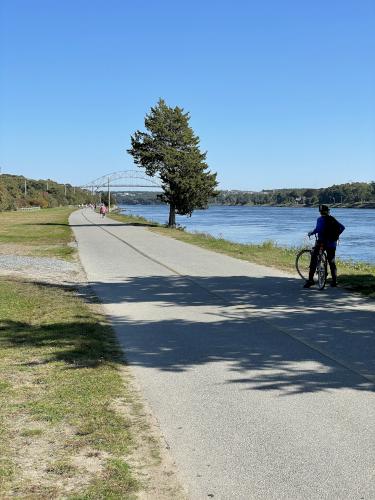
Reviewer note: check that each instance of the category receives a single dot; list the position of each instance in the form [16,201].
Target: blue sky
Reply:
[281,93]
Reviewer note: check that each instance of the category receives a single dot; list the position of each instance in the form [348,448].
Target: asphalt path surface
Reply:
[262,390]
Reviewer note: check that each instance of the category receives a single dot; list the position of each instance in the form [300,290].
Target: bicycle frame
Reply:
[321,264]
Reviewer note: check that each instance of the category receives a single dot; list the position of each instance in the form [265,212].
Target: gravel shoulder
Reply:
[43,268]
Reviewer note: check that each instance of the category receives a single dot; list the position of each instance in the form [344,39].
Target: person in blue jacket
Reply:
[328,230]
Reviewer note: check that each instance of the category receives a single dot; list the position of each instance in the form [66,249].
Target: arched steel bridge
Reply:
[124,179]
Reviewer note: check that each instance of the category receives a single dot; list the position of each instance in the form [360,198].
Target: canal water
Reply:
[282,225]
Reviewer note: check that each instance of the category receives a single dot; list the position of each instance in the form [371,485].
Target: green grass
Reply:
[59,365]
[31,432]
[116,484]
[62,468]
[42,232]
[7,471]
[359,277]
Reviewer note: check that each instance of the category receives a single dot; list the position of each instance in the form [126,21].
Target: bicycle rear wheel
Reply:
[321,270]
[303,263]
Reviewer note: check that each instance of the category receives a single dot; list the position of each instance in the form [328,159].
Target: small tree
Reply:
[171,150]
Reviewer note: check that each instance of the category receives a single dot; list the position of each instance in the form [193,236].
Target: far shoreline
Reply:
[356,206]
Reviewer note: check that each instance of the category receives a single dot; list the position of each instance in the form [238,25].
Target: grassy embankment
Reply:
[359,277]
[65,422]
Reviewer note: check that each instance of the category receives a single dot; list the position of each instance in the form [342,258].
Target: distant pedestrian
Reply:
[103,210]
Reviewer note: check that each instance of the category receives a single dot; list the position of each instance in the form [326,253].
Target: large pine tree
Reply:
[171,149]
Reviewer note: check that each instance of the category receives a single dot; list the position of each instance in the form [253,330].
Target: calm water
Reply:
[285,226]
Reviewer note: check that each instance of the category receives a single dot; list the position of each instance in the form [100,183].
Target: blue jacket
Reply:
[319,229]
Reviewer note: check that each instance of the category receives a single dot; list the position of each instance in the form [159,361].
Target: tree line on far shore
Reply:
[353,193]
[18,192]
[350,194]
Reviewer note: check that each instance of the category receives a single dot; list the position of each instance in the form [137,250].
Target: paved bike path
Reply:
[256,383]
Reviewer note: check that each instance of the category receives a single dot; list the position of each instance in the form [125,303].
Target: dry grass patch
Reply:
[37,233]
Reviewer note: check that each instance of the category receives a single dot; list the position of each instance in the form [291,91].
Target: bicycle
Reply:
[303,259]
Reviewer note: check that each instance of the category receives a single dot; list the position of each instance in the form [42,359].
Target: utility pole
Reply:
[65,189]
[47,187]
[25,188]
[109,197]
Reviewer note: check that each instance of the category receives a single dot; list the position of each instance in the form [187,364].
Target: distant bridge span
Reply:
[124,179]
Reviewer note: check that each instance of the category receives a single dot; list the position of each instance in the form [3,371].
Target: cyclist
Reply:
[328,230]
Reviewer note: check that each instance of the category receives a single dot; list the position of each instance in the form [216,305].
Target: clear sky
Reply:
[281,92]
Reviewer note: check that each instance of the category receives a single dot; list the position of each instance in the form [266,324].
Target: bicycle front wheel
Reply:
[303,263]
[321,270]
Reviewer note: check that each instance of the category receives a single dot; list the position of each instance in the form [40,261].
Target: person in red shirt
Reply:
[103,210]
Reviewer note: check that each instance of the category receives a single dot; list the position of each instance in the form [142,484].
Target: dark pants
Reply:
[331,252]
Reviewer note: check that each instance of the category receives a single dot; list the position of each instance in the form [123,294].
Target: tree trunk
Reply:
[172,216]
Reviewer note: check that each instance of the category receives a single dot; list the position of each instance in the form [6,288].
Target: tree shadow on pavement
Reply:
[255,356]
[269,334]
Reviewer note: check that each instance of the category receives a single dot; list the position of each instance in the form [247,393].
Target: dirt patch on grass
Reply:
[89,461]
[40,250]
[43,462]
[13,249]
